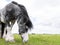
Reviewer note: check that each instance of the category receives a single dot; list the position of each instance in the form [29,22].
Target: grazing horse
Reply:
[15,12]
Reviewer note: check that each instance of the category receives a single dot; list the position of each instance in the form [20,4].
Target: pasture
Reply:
[37,39]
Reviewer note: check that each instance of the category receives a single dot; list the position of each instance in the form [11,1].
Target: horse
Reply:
[15,12]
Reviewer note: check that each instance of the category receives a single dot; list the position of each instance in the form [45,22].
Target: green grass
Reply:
[38,39]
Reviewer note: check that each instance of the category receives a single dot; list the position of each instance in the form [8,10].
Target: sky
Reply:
[44,14]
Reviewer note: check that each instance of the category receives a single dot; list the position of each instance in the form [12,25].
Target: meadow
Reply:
[35,39]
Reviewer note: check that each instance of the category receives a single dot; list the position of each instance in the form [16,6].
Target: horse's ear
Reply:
[14,2]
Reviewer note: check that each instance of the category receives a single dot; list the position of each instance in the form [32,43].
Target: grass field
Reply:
[35,40]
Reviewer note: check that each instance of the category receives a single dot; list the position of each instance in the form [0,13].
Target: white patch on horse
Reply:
[9,36]
[25,37]
[3,12]
[2,18]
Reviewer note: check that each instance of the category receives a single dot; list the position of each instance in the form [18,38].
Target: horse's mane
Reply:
[24,12]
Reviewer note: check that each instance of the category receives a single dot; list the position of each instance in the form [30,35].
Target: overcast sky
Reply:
[44,14]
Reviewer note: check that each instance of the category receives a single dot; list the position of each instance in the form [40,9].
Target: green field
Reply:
[38,39]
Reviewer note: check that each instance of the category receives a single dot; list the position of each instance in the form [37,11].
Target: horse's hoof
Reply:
[10,40]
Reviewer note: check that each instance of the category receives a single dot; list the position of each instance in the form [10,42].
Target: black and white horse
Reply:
[9,14]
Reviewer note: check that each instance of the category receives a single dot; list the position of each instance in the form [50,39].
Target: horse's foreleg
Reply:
[4,35]
[9,36]
[0,30]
